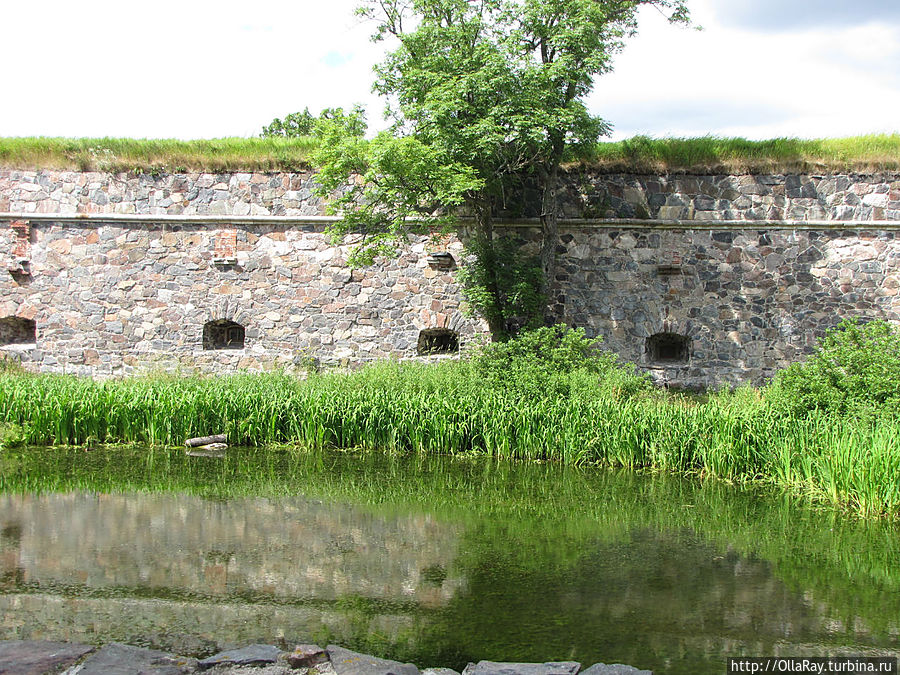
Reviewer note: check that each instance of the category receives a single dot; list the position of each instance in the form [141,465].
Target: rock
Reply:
[251,655]
[35,657]
[346,662]
[182,643]
[119,659]
[439,671]
[306,656]
[614,669]
[495,668]
[279,669]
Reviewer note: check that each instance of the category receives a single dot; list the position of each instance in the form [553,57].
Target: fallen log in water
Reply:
[210,450]
[205,440]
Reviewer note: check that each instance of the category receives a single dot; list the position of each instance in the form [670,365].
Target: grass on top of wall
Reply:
[156,155]
[640,154]
[712,154]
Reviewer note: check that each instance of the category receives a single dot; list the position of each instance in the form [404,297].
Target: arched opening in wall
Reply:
[223,334]
[15,330]
[669,348]
[437,341]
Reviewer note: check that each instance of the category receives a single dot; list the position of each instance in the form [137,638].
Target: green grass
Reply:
[712,154]
[639,154]
[156,155]
[449,409]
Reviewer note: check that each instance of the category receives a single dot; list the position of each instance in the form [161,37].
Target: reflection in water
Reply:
[441,562]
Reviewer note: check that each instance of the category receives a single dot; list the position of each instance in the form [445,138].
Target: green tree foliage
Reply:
[294,125]
[855,369]
[480,92]
[503,285]
[303,123]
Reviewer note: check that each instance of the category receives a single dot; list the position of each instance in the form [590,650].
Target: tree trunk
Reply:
[549,228]
[485,224]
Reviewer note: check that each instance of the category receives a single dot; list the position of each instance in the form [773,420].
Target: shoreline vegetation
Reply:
[825,429]
[640,154]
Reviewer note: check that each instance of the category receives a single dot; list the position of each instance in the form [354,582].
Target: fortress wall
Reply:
[748,300]
[585,194]
[115,274]
[124,297]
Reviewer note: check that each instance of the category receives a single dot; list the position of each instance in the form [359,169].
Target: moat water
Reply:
[437,561]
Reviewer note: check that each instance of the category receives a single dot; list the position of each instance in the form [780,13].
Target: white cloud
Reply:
[180,69]
[733,81]
[203,69]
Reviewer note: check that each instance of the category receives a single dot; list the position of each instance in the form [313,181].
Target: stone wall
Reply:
[135,266]
[122,297]
[705,198]
[585,195]
[747,301]
[239,194]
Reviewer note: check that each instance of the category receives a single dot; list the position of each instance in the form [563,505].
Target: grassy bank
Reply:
[451,409]
[639,154]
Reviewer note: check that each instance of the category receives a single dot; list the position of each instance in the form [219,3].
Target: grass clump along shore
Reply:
[825,429]
[640,154]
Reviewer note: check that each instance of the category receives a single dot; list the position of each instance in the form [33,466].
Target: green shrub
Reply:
[855,369]
[554,360]
[11,435]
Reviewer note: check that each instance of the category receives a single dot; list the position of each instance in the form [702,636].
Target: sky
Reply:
[208,69]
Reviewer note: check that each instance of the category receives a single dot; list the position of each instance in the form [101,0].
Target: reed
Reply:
[448,409]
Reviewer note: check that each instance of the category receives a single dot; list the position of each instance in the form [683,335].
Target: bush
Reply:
[855,369]
[11,435]
[553,360]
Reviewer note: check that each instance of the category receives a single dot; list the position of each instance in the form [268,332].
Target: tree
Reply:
[480,93]
[303,123]
[293,125]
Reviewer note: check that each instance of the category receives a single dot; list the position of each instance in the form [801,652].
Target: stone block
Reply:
[36,657]
[120,659]
[347,662]
[499,668]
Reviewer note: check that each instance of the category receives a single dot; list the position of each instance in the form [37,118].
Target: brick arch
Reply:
[227,310]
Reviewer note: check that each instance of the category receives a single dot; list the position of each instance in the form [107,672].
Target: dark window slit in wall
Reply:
[669,348]
[223,334]
[15,330]
[437,341]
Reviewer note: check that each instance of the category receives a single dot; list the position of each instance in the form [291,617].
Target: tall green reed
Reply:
[448,409]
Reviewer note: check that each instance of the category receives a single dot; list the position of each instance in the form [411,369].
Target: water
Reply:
[435,561]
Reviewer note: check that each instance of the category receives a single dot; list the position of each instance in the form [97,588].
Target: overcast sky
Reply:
[206,69]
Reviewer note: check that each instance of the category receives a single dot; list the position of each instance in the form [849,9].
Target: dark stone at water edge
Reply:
[494,668]
[34,657]
[119,659]
[614,669]
[306,656]
[251,655]
[346,662]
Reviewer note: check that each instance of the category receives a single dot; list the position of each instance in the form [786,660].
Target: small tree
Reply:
[293,125]
[304,123]
[480,91]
